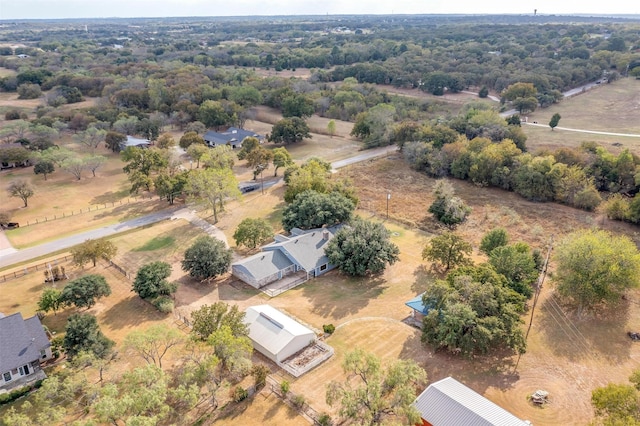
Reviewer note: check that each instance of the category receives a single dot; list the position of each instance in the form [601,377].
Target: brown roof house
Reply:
[23,346]
[450,403]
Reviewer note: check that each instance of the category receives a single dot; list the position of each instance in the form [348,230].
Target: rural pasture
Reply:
[567,355]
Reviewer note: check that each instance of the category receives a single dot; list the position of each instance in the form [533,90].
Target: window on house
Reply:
[7,376]
[323,267]
[43,354]
[24,370]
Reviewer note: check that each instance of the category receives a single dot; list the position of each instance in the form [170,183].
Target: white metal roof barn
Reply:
[450,403]
[276,335]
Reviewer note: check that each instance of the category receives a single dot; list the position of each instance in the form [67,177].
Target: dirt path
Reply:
[5,245]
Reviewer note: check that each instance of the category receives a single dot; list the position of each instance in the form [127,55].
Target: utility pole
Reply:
[388,198]
[539,282]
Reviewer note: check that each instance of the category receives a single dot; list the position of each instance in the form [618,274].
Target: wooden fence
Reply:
[38,267]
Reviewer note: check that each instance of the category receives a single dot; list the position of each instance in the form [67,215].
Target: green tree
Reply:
[517,264]
[210,318]
[92,250]
[50,300]
[196,151]
[289,130]
[362,248]
[258,159]
[151,280]
[85,291]
[171,186]
[82,333]
[212,187]
[190,138]
[472,311]
[252,232]
[91,138]
[281,158]
[165,141]
[94,162]
[248,145]
[555,119]
[142,164]
[218,157]
[331,128]
[447,208]
[207,258]
[373,395]
[44,168]
[595,266]
[448,249]
[297,105]
[616,404]
[22,189]
[153,343]
[233,350]
[113,140]
[212,114]
[311,209]
[497,237]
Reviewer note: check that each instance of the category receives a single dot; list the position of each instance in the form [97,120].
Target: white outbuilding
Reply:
[276,335]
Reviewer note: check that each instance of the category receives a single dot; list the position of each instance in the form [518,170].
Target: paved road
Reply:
[595,132]
[10,256]
[366,155]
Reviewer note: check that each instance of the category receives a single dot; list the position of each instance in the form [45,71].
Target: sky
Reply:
[55,9]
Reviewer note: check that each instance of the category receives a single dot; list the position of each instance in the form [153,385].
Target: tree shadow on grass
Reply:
[587,337]
[130,210]
[423,278]
[224,288]
[111,197]
[336,296]
[128,312]
[480,373]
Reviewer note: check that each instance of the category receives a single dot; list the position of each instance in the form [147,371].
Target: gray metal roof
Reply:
[306,250]
[450,403]
[264,264]
[20,341]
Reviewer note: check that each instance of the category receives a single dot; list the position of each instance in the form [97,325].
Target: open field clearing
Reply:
[84,204]
[321,144]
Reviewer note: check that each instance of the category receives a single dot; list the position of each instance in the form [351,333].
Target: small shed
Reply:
[419,310]
[276,335]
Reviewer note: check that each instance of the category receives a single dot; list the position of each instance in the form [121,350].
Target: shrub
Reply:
[13,114]
[239,394]
[284,387]
[163,303]
[7,397]
[298,401]
[324,419]
[328,328]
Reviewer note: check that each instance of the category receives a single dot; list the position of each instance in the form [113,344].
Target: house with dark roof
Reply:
[233,137]
[450,403]
[302,251]
[23,346]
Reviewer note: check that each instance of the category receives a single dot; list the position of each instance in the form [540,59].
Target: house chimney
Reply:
[325,235]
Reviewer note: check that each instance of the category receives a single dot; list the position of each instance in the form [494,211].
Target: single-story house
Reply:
[450,403]
[276,335]
[301,251]
[419,310]
[136,142]
[22,56]
[233,137]
[23,345]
